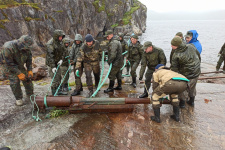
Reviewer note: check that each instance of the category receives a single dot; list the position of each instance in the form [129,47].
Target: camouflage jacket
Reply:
[115,52]
[75,52]
[152,59]
[55,50]
[135,52]
[124,46]
[92,54]
[14,59]
[186,61]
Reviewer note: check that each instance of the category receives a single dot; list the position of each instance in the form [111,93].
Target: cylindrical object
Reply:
[102,108]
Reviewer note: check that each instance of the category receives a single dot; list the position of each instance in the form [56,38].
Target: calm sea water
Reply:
[211,35]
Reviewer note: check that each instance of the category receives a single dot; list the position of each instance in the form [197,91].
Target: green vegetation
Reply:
[57,112]
[128,15]
[29,19]
[114,25]
[59,11]
[97,6]
[12,3]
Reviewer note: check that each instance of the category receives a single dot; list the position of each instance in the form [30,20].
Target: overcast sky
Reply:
[183,5]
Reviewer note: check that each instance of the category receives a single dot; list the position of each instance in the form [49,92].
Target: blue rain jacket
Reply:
[195,41]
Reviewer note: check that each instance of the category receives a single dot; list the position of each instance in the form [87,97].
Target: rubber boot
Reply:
[145,94]
[134,82]
[110,88]
[127,71]
[176,113]
[182,103]
[156,118]
[119,87]
[191,101]
[96,81]
[60,92]
[81,88]
[64,89]
[75,92]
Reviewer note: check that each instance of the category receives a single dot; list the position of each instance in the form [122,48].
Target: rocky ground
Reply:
[201,127]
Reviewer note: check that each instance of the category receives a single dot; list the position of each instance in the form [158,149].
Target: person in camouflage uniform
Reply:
[124,49]
[90,55]
[151,58]
[186,61]
[74,53]
[167,82]
[135,52]
[178,34]
[116,59]
[55,57]
[13,57]
[221,59]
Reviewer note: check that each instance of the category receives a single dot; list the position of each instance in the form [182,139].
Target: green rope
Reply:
[62,81]
[45,101]
[103,55]
[36,118]
[124,52]
[93,95]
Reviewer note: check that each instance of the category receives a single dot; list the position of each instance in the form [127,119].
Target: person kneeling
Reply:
[167,82]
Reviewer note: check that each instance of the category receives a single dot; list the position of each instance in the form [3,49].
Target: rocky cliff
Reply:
[40,18]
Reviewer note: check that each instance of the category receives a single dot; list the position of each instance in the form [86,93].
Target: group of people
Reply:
[179,80]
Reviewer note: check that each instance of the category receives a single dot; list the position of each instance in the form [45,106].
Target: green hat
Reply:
[134,36]
[176,41]
[120,34]
[108,32]
[180,34]
[147,44]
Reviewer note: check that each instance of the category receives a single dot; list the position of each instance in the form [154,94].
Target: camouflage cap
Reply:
[66,40]
[25,42]
[134,36]
[176,41]
[147,44]
[108,32]
[120,34]
[180,34]
[189,34]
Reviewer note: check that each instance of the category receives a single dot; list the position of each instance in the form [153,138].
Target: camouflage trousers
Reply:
[115,73]
[148,78]
[78,79]
[59,76]
[134,65]
[190,91]
[172,88]
[220,61]
[15,83]
[88,69]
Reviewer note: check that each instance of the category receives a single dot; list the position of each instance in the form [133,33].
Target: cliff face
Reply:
[40,18]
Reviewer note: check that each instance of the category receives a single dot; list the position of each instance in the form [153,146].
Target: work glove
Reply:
[60,63]
[140,78]
[30,74]
[21,76]
[218,55]
[54,70]
[77,73]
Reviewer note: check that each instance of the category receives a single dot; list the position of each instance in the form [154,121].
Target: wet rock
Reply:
[82,16]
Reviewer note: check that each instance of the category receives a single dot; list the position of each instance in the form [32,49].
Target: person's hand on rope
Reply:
[54,70]
[21,76]
[30,74]
[60,63]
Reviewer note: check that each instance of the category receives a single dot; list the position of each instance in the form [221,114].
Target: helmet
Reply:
[66,41]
